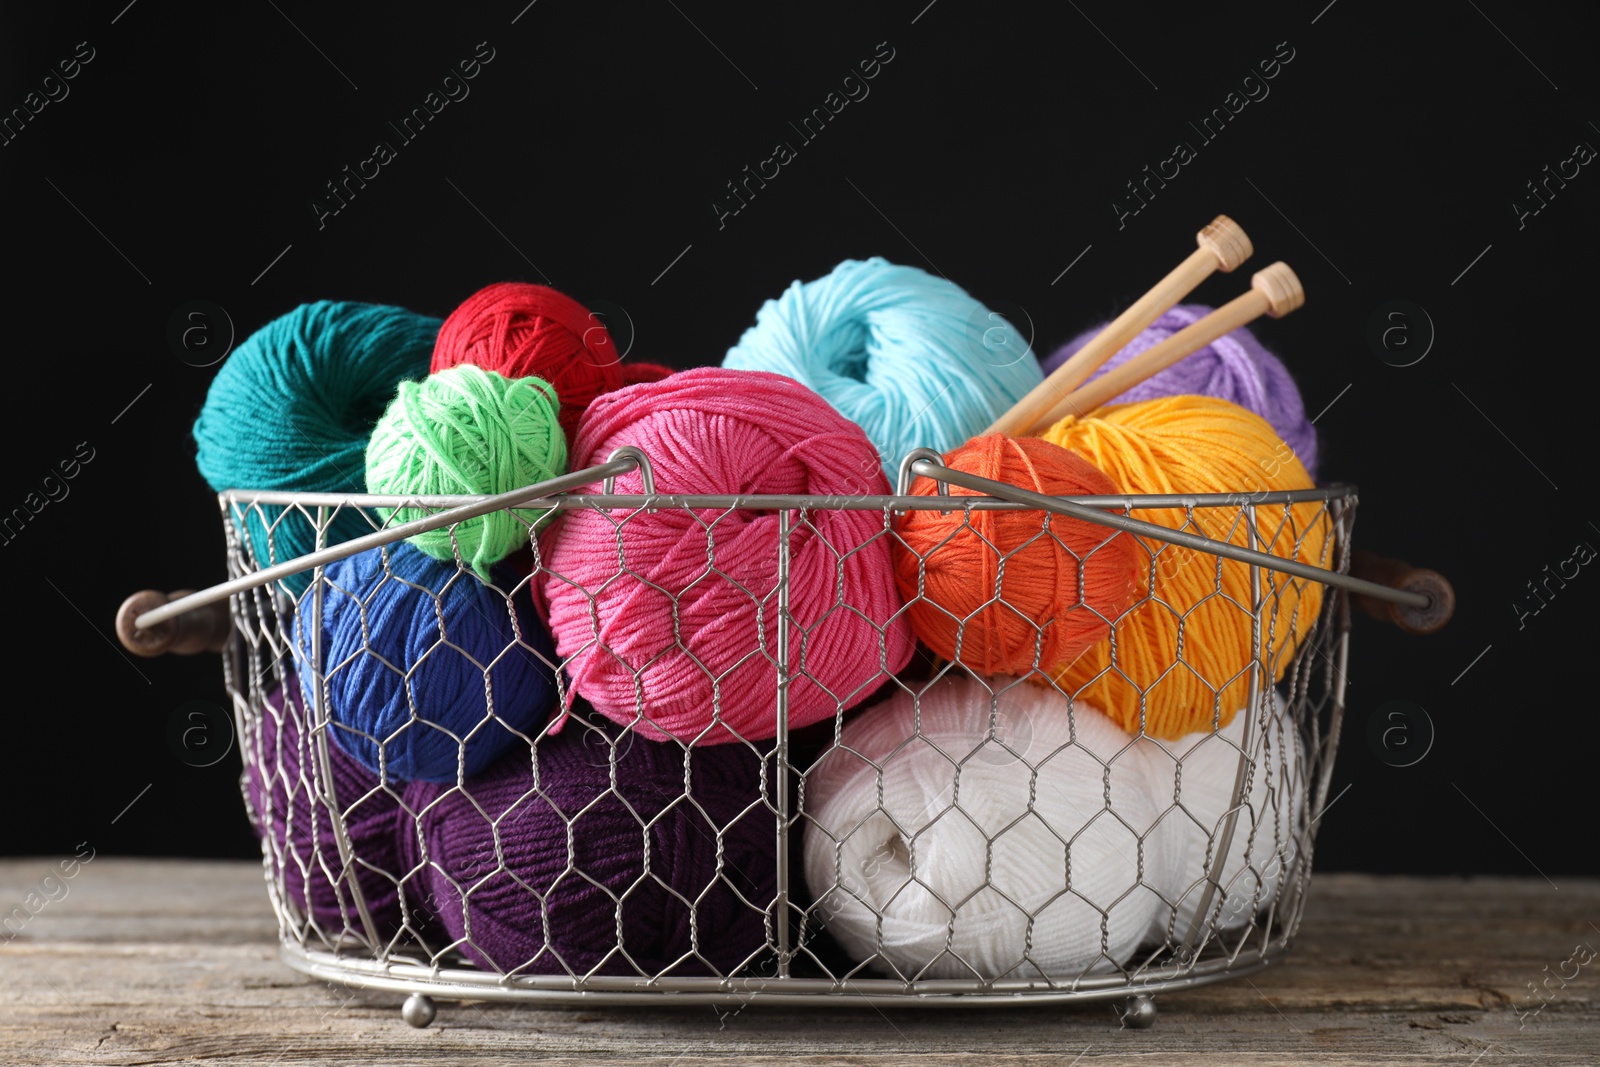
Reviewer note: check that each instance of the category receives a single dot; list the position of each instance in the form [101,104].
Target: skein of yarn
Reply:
[522,330]
[284,792]
[1193,600]
[293,407]
[665,620]
[953,860]
[554,863]
[469,431]
[427,673]
[1193,779]
[1059,581]
[911,358]
[1235,367]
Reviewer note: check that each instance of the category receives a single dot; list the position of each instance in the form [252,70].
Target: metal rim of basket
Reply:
[460,983]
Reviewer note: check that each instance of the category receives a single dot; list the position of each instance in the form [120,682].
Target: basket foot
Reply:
[419,1010]
[1139,1012]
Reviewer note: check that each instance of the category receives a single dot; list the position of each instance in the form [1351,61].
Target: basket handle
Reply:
[1417,596]
[143,617]
[1396,574]
[204,629]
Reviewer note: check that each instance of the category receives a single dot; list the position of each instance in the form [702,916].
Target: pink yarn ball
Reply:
[612,579]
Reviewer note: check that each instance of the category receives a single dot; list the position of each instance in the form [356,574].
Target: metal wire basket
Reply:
[1244,918]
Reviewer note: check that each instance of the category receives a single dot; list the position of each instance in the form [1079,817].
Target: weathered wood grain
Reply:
[147,962]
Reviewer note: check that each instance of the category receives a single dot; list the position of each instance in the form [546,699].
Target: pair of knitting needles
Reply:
[1223,245]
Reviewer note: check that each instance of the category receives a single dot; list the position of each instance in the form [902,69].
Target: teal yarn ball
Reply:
[909,357]
[465,430]
[292,409]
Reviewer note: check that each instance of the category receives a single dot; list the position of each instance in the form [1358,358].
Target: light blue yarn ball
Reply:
[909,357]
[293,408]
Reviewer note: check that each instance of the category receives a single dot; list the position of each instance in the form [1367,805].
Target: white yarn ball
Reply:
[963,835]
[1194,806]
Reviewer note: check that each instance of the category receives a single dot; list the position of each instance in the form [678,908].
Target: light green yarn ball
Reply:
[466,430]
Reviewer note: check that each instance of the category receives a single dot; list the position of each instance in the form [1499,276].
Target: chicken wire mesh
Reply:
[328,884]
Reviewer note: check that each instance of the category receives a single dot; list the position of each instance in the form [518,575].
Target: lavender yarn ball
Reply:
[281,770]
[684,909]
[1235,367]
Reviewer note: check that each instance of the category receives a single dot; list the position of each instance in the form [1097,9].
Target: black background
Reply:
[1384,162]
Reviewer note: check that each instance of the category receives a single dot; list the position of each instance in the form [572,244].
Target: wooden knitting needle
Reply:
[1222,246]
[1274,291]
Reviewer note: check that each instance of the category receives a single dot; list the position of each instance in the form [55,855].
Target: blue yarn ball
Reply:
[293,408]
[425,667]
[910,358]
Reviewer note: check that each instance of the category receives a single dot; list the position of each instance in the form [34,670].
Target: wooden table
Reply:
[165,961]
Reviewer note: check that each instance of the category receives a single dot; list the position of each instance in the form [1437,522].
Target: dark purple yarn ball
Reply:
[281,766]
[648,849]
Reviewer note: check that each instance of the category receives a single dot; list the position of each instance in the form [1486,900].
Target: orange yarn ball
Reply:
[1062,581]
[1194,601]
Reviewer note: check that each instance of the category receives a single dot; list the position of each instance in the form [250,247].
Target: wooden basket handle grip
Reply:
[1399,575]
[205,629]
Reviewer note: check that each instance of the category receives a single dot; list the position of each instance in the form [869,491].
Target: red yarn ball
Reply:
[523,330]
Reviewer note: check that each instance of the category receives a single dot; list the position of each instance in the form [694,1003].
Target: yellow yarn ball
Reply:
[1192,445]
